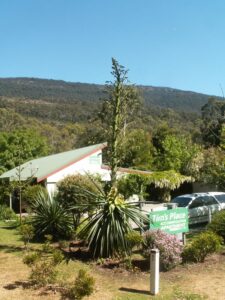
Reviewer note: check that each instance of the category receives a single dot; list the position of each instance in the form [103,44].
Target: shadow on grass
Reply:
[17,284]
[10,248]
[43,291]
[77,250]
[9,225]
[141,264]
[123,289]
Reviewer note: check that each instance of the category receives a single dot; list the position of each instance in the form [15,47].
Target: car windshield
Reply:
[220,198]
[182,201]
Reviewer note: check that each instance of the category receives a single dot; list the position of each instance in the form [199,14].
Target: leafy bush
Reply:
[50,217]
[134,239]
[168,245]
[132,184]
[83,286]
[31,258]
[202,245]
[218,223]
[6,213]
[77,192]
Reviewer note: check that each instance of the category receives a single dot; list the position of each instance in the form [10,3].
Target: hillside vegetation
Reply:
[55,116]
[60,100]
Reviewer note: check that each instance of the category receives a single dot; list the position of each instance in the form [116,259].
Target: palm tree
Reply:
[106,230]
[50,217]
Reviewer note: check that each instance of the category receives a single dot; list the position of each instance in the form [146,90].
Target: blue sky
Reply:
[174,43]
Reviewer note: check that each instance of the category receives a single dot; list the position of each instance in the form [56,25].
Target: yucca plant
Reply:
[106,230]
[50,217]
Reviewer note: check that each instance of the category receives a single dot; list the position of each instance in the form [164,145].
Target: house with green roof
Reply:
[49,170]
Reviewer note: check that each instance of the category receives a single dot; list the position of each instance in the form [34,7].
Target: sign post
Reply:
[172,221]
[154,272]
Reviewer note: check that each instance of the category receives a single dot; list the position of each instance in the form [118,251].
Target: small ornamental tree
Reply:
[43,264]
[27,233]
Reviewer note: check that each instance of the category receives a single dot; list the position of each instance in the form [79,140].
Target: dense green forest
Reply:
[60,100]
[67,113]
[171,129]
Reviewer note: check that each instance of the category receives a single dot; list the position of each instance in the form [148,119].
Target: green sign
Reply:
[171,220]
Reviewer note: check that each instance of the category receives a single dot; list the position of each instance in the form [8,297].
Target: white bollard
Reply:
[210,216]
[154,272]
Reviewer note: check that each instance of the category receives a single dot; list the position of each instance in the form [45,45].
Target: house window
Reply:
[95,159]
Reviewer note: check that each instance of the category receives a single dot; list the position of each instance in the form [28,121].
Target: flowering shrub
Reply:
[168,245]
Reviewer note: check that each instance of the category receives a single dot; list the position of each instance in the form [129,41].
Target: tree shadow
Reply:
[43,291]
[77,250]
[123,289]
[17,284]
[141,264]
[10,248]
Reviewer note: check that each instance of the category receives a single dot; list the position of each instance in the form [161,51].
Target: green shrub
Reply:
[83,286]
[30,259]
[202,245]
[134,239]
[6,213]
[57,257]
[218,224]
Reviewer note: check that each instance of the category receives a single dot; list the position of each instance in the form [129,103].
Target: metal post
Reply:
[210,216]
[10,200]
[154,272]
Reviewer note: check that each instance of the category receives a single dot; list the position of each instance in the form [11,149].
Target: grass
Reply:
[10,240]
[190,282]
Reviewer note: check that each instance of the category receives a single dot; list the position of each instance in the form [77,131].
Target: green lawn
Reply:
[10,240]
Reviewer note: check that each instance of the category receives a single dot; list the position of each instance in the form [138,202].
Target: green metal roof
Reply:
[43,167]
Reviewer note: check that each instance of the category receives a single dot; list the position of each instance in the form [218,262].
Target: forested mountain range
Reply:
[39,117]
[66,101]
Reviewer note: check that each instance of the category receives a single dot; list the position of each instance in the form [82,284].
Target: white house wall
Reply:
[91,164]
